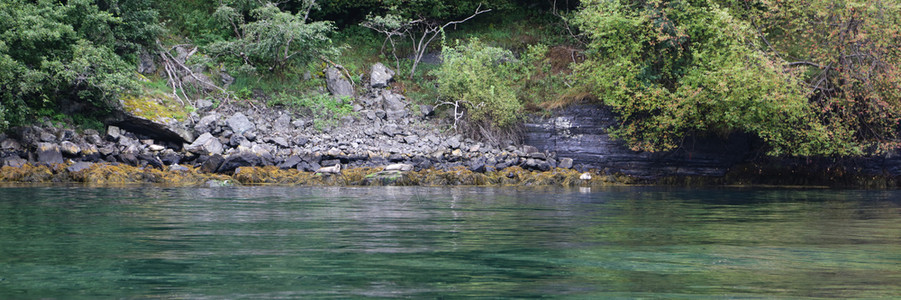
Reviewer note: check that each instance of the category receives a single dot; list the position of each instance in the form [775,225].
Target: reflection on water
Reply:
[281,242]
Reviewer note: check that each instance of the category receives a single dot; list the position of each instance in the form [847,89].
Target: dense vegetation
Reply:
[808,77]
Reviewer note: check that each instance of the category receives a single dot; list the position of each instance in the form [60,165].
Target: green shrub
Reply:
[671,68]
[275,41]
[484,79]
[53,55]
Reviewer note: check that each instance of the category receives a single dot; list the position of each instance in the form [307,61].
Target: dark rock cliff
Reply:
[580,132]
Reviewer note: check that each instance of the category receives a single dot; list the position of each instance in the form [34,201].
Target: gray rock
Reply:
[47,137]
[69,148]
[390,130]
[536,164]
[113,133]
[566,163]
[206,123]
[337,84]
[49,153]
[426,110]
[393,102]
[226,79]
[203,104]
[182,53]
[478,165]
[454,142]
[528,149]
[236,140]
[178,168]
[212,163]
[380,76]
[206,144]
[281,142]
[15,162]
[251,135]
[67,135]
[239,123]
[283,122]
[243,159]
[537,155]
[93,139]
[146,65]
[79,166]
[107,149]
[290,162]
[395,115]
[10,145]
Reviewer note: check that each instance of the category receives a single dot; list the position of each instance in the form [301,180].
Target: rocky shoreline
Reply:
[388,140]
[383,130]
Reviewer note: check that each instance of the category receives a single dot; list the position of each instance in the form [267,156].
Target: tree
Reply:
[63,53]
[846,53]
[671,68]
[276,39]
[482,79]
[421,31]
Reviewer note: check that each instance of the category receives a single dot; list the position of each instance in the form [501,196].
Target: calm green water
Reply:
[288,243]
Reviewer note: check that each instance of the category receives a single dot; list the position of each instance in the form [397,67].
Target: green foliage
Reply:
[325,109]
[354,11]
[3,122]
[670,68]
[847,56]
[276,40]
[484,79]
[63,54]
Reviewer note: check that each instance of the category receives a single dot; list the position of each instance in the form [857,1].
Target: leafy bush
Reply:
[670,68]
[484,79]
[275,41]
[64,57]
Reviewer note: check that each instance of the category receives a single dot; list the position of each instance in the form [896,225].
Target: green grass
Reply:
[325,109]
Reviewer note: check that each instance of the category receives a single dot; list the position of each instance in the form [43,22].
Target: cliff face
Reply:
[580,131]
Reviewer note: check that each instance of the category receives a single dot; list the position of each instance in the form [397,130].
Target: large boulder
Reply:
[70,149]
[380,76]
[14,161]
[239,123]
[395,107]
[146,65]
[337,84]
[242,159]
[206,144]
[48,153]
[166,130]
[206,123]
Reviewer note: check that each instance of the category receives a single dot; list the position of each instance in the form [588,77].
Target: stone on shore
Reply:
[206,144]
[239,123]
[380,76]
[337,84]
[49,153]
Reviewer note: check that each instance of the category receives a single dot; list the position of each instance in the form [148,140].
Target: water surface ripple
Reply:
[288,243]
